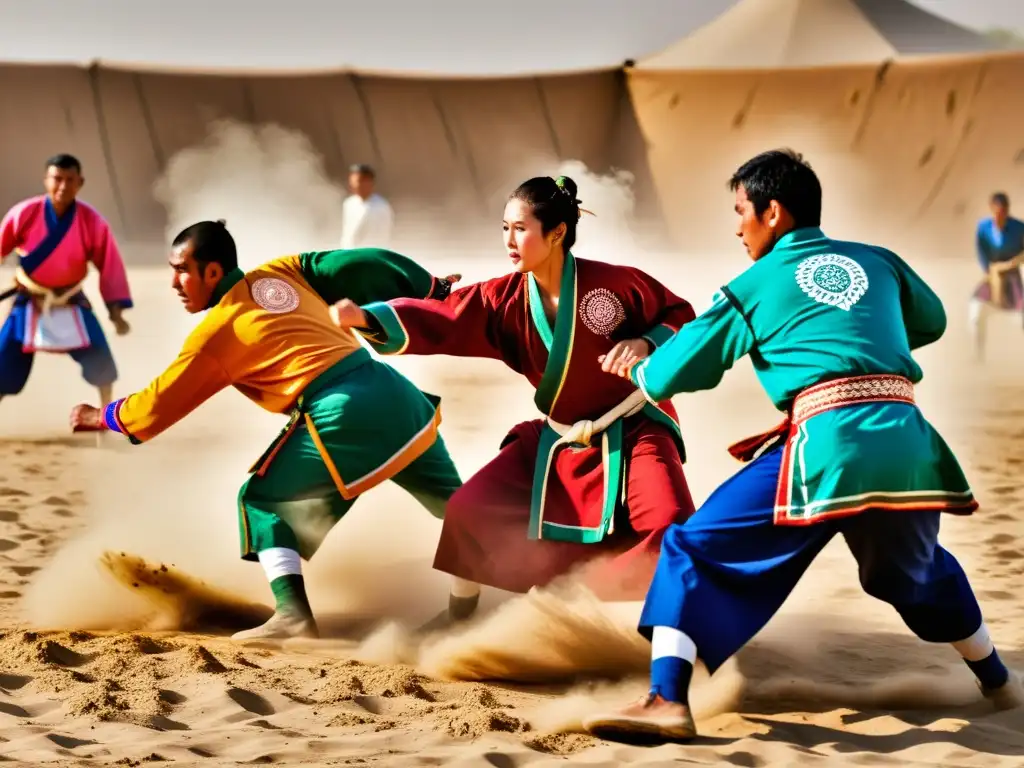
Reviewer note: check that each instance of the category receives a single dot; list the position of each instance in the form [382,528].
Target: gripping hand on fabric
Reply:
[621,358]
[347,314]
[86,418]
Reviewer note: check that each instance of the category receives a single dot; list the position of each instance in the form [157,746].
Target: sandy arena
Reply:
[120,577]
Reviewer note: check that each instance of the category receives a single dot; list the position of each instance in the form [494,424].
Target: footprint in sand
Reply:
[251,702]
[10,594]
[1004,490]
[996,594]
[6,545]
[56,501]
[69,742]
[14,682]
[63,512]
[9,516]
[24,570]
[1001,538]
[999,517]
[8,491]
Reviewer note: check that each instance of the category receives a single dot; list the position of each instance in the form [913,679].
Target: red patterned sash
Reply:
[881,388]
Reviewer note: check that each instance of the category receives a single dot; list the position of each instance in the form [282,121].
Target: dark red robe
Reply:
[536,511]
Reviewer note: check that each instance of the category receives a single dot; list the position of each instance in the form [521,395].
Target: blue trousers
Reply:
[725,572]
[96,360]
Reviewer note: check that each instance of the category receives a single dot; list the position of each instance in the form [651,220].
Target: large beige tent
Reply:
[450,103]
[460,141]
[911,121]
[453,109]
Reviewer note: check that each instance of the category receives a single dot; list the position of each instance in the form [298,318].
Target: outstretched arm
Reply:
[465,324]
[698,355]
[366,275]
[655,316]
[193,378]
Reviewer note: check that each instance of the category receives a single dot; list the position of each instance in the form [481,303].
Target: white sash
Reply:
[62,329]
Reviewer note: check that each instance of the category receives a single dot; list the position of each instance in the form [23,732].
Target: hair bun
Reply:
[223,222]
[568,187]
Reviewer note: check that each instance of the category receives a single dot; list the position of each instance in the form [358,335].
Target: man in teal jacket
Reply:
[829,326]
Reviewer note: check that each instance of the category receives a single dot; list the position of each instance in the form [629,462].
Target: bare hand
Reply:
[621,358]
[86,418]
[454,278]
[347,314]
[120,324]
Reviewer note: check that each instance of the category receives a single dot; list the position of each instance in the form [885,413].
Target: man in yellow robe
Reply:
[354,421]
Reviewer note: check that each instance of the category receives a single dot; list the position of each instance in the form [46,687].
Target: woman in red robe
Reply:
[541,508]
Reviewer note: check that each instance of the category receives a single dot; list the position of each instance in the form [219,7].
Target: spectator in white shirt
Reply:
[366,217]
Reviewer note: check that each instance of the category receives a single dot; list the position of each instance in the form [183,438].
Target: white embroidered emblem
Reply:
[832,279]
[601,311]
[275,295]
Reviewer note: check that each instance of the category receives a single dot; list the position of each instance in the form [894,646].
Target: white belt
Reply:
[583,431]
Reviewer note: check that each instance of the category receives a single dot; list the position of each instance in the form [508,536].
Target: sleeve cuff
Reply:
[659,334]
[112,420]
[439,289]
[391,339]
[637,374]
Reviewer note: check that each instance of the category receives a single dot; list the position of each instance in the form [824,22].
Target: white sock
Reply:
[464,588]
[976,647]
[667,641]
[279,561]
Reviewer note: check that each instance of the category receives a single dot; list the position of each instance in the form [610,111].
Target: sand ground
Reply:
[95,673]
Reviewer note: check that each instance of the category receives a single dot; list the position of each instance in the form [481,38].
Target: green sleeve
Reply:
[924,317]
[367,275]
[698,355]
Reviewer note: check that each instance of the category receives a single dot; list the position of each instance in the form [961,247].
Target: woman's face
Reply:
[528,247]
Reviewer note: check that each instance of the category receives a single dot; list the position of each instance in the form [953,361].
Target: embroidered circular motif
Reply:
[601,311]
[831,279]
[275,295]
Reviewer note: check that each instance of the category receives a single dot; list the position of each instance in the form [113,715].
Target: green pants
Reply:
[368,419]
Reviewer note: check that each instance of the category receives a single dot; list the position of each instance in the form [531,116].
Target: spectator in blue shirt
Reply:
[1000,245]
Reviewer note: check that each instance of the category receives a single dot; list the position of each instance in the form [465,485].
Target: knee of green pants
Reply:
[433,503]
[261,529]
[432,478]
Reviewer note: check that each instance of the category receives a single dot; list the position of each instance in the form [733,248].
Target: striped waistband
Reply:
[876,388]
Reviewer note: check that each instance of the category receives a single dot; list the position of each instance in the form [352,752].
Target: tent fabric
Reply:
[435,39]
[778,34]
[461,145]
[907,150]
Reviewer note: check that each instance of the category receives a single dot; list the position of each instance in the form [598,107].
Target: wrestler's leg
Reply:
[902,563]
[721,576]
[15,363]
[657,496]
[97,360]
[284,516]
[432,479]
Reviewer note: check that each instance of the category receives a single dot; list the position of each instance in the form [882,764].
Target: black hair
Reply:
[553,202]
[211,244]
[65,162]
[782,175]
[1001,198]
[363,170]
